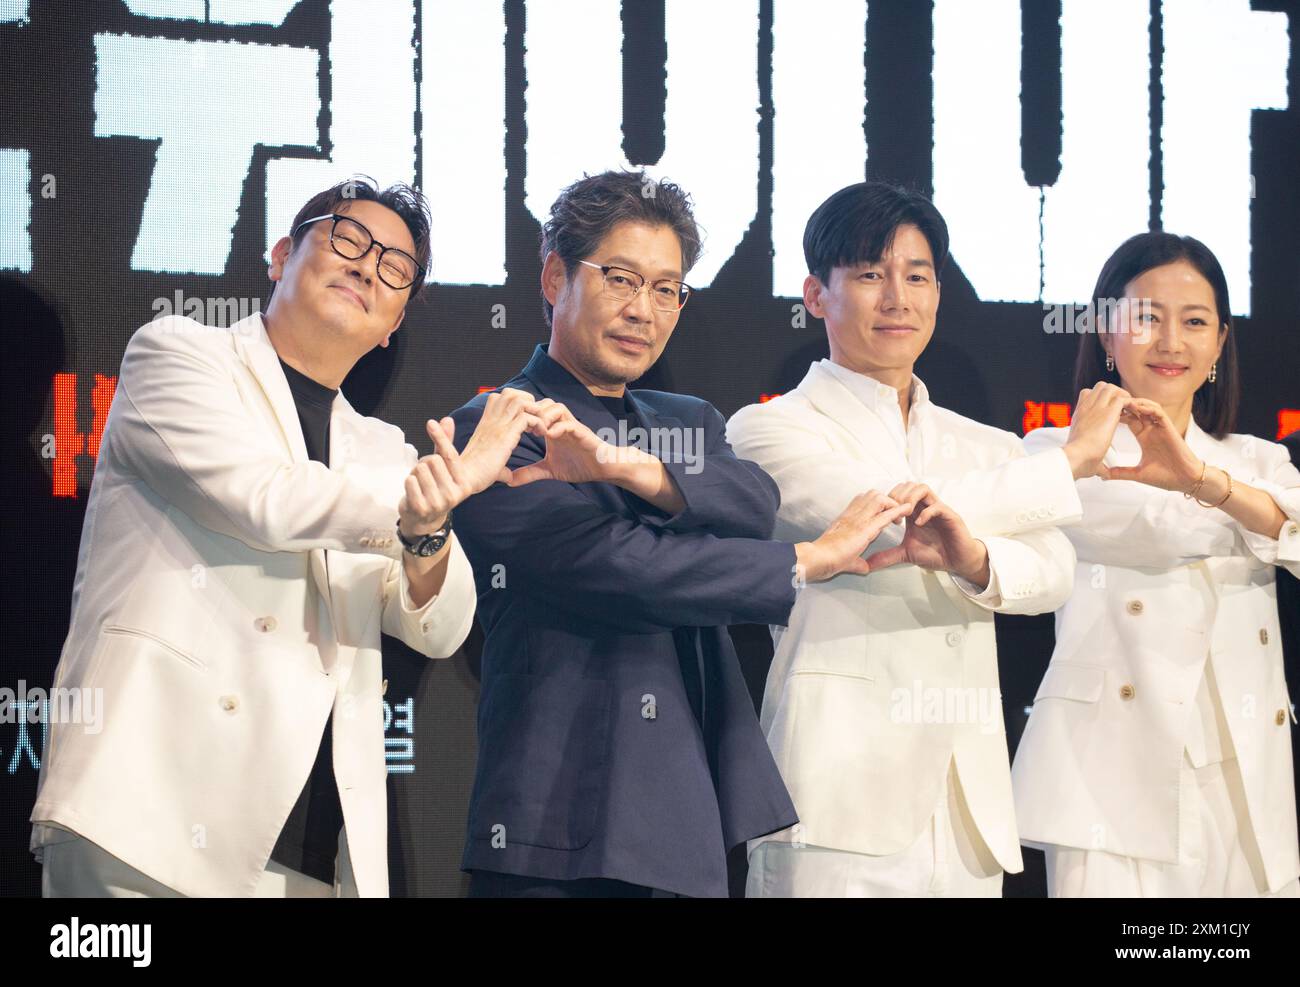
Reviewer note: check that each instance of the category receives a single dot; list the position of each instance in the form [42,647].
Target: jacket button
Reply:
[1127,691]
[1263,635]
[229,703]
[1280,718]
[953,639]
[1135,607]
[383,689]
[1293,529]
[265,624]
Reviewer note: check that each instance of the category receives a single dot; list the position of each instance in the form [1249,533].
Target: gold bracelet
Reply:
[1225,496]
[1191,494]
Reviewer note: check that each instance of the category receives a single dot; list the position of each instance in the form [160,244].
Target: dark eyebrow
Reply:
[911,262]
[1153,303]
[387,245]
[623,262]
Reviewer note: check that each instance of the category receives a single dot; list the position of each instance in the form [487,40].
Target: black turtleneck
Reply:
[309,841]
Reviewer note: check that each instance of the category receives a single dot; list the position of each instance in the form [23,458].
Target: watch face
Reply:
[426,545]
[430,545]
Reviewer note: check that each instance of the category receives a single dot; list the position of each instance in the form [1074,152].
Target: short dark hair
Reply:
[1214,405]
[587,210]
[857,224]
[409,203]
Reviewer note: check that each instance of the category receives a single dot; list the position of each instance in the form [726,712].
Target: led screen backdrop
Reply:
[151,150]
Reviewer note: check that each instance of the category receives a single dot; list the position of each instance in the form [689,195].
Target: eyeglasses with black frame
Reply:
[395,267]
[666,294]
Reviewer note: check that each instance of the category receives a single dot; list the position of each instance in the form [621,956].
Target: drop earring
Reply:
[1214,372]
[1110,363]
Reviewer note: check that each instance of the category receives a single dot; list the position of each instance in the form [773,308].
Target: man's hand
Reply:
[506,416]
[840,547]
[441,481]
[574,453]
[1092,427]
[936,538]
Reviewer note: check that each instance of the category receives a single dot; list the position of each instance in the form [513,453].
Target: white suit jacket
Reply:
[1163,586]
[880,681]
[229,594]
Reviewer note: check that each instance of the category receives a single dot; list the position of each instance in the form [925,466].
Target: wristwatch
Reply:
[425,545]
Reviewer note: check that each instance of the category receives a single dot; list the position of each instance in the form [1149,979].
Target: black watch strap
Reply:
[425,545]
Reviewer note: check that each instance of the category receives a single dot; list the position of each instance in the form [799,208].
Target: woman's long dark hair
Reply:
[1214,406]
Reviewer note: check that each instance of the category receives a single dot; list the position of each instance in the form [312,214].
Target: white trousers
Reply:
[948,860]
[1218,857]
[78,868]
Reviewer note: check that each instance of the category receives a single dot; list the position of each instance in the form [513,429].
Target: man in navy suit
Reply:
[619,752]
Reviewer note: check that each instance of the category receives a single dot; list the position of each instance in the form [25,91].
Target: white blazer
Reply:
[880,681]
[1163,585]
[229,594]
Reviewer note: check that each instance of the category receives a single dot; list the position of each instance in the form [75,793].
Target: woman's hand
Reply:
[1166,461]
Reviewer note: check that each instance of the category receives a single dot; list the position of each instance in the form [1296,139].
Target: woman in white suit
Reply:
[1157,759]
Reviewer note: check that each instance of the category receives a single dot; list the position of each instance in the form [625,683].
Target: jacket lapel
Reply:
[556,383]
[650,419]
[259,355]
[356,455]
[838,403]
[255,347]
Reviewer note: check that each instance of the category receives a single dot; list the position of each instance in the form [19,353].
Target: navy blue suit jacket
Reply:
[591,762]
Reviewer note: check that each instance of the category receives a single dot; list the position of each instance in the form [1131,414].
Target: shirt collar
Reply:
[872,392]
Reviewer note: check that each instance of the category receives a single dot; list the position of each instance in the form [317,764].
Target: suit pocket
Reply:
[166,646]
[1065,680]
[543,750]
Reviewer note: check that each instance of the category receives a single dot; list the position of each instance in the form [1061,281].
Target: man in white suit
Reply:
[882,704]
[247,538]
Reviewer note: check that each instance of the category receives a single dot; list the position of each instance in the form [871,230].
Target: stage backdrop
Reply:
[150,150]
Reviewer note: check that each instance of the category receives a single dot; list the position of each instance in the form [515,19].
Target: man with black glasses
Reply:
[248,536]
[619,752]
